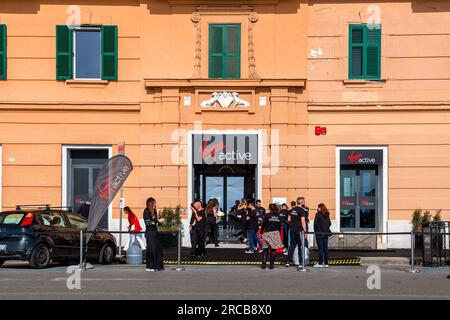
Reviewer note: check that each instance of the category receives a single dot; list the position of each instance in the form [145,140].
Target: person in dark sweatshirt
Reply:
[154,250]
[322,225]
[270,229]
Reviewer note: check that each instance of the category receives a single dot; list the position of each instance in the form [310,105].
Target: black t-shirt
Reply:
[284,215]
[252,223]
[201,223]
[271,222]
[296,213]
[260,212]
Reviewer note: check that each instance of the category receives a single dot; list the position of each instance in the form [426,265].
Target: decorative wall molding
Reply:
[225,99]
[196,18]
[252,18]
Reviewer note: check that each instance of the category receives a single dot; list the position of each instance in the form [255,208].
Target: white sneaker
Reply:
[249,251]
[318,266]
[326,266]
[261,251]
[150,269]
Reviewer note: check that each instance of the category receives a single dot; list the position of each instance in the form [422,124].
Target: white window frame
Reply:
[74,39]
[64,177]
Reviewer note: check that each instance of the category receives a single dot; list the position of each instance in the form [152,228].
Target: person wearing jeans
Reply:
[322,225]
[252,231]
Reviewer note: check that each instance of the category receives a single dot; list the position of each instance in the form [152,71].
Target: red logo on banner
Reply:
[104,191]
[210,151]
[353,158]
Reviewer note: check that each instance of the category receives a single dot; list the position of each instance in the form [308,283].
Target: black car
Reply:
[32,235]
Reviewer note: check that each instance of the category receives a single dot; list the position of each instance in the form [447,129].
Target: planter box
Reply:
[168,239]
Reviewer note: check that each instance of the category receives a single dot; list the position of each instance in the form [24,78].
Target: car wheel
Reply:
[40,257]
[2,262]
[107,254]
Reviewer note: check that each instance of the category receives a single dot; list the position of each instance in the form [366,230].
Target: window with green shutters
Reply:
[364,51]
[68,63]
[225,51]
[2,51]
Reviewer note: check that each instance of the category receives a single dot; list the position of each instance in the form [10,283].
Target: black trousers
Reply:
[154,251]
[198,240]
[295,241]
[212,231]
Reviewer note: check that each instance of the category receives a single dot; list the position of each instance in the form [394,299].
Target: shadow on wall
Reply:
[431,6]
[275,6]
[34,6]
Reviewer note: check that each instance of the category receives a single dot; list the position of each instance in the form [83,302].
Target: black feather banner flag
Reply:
[109,181]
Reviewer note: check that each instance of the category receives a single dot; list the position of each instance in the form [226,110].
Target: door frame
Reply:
[64,177]
[190,168]
[384,186]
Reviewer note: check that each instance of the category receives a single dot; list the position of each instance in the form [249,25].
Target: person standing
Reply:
[252,228]
[297,223]
[270,228]
[284,213]
[133,227]
[198,229]
[211,222]
[260,212]
[322,224]
[154,250]
[83,210]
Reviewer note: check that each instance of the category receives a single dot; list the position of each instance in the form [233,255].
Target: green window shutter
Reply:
[216,55]
[224,51]
[3,51]
[373,52]
[109,52]
[364,52]
[233,51]
[64,53]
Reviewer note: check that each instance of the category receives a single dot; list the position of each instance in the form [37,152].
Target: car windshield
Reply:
[12,218]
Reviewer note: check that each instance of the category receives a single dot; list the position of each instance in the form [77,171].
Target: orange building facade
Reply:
[342,102]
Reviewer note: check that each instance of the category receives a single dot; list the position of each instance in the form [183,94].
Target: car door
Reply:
[77,223]
[54,223]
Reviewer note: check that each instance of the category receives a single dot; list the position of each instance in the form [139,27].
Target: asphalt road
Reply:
[17,281]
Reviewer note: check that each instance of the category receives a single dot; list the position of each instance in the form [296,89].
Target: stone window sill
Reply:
[86,82]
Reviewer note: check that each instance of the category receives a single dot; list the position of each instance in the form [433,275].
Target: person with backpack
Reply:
[322,225]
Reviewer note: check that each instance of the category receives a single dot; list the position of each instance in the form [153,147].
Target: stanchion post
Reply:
[413,247]
[81,249]
[179,267]
[302,240]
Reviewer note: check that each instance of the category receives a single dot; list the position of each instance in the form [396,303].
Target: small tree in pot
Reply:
[168,230]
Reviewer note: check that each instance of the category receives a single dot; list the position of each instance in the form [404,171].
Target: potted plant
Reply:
[168,231]
[417,228]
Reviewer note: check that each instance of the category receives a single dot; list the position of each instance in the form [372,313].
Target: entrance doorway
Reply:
[83,167]
[227,184]
[359,197]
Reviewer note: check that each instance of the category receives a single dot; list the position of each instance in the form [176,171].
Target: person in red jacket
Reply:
[134,226]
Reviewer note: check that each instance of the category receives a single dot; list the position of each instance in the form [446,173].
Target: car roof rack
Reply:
[37,206]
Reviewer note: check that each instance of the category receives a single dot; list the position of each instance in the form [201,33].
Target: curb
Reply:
[385,261]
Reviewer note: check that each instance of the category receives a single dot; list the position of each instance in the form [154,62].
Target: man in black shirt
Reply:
[252,228]
[297,223]
[197,227]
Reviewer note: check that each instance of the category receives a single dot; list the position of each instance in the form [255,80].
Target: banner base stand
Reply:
[86,266]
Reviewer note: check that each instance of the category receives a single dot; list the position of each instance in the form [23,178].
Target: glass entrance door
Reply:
[359,198]
[225,189]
